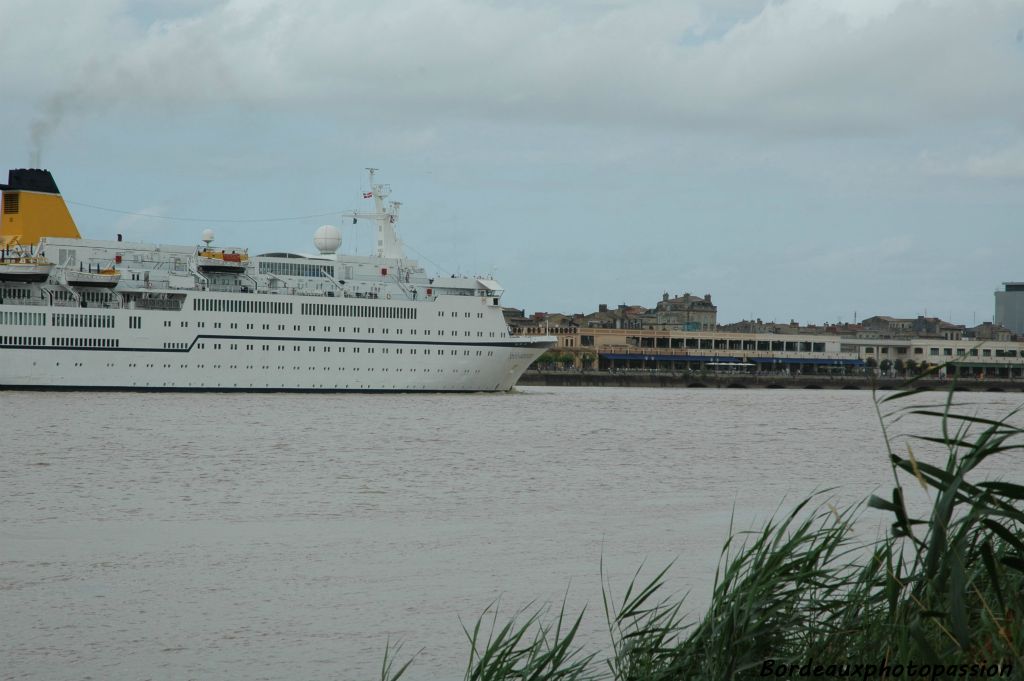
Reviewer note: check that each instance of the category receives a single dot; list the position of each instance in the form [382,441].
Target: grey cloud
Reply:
[794,66]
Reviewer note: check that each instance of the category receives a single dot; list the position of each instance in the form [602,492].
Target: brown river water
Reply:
[216,536]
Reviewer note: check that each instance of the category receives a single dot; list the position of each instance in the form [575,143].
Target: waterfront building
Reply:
[681,334]
[1010,306]
[560,325]
[920,327]
[684,313]
[623,317]
[669,350]
[895,349]
[969,357]
[792,327]
[989,331]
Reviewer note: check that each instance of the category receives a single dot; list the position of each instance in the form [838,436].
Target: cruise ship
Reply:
[87,314]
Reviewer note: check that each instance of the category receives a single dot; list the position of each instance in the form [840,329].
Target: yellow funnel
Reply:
[32,208]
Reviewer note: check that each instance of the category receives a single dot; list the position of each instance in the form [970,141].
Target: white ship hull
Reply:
[69,348]
[132,372]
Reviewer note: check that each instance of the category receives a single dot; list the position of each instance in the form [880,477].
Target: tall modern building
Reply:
[1010,306]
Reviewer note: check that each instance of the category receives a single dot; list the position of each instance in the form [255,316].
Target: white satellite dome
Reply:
[327,239]
[207,236]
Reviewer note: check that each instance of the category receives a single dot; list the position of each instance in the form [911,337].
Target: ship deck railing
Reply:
[150,288]
[36,302]
[24,301]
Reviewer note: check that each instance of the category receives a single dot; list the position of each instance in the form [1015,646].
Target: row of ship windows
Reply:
[371,311]
[479,315]
[90,296]
[224,305]
[23,340]
[23,318]
[135,322]
[341,329]
[38,341]
[281,368]
[327,348]
[296,269]
[73,320]
[101,321]
[14,293]
[85,342]
[319,309]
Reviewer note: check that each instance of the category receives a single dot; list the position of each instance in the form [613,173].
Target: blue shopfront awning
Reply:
[667,358]
[756,360]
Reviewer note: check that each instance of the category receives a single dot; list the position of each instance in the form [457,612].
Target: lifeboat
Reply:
[24,268]
[212,260]
[105,278]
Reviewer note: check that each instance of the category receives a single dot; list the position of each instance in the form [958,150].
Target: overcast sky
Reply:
[807,159]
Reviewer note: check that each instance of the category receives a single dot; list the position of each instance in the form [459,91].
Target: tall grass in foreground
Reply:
[947,588]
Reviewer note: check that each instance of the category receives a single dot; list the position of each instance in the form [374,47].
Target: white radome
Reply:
[207,237]
[327,239]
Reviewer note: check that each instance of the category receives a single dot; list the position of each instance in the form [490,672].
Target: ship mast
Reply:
[386,217]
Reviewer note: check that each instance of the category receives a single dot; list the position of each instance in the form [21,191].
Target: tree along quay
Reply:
[665,379]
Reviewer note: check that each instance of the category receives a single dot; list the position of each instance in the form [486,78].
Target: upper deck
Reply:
[138,274]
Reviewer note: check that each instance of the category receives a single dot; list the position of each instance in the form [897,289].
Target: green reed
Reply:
[946,588]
